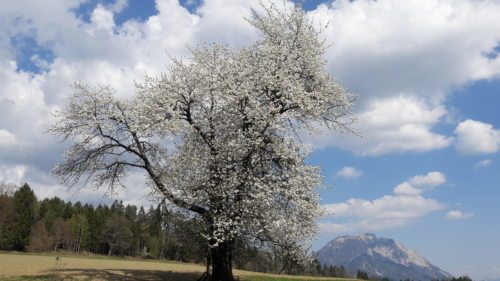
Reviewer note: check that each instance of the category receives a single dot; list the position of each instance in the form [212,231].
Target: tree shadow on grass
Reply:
[125,275]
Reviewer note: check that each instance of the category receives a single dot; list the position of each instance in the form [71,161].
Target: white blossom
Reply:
[232,114]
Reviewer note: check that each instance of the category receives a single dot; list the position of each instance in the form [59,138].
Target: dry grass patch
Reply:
[13,265]
[26,267]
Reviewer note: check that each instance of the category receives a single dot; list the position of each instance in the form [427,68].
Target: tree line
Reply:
[51,224]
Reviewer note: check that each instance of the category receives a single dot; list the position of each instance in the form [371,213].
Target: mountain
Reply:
[379,257]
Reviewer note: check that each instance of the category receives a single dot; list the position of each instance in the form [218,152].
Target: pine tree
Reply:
[25,206]
[7,222]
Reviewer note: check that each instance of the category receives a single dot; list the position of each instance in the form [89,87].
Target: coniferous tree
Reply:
[25,212]
[67,210]
[7,222]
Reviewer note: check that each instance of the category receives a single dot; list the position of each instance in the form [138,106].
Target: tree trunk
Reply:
[222,269]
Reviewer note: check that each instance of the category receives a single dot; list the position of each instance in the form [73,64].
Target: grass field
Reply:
[47,267]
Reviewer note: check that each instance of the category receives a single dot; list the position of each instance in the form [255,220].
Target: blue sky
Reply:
[425,170]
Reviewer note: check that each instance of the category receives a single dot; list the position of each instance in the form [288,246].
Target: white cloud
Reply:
[430,179]
[392,125]
[134,192]
[458,215]
[483,163]
[386,207]
[329,227]
[389,211]
[349,173]
[102,18]
[13,174]
[415,184]
[7,138]
[224,21]
[474,137]
[416,50]
[406,188]
[118,6]
[388,47]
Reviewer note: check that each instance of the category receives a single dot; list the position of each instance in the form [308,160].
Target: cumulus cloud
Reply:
[483,163]
[118,6]
[387,207]
[348,173]
[475,137]
[430,179]
[135,191]
[13,174]
[388,211]
[7,138]
[405,205]
[458,215]
[388,47]
[102,18]
[415,184]
[330,227]
[407,56]
[392,125]
[406,188]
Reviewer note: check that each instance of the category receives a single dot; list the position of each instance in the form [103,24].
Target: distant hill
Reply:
[379,257]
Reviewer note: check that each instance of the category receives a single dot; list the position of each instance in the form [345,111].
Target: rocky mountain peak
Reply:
[379,257]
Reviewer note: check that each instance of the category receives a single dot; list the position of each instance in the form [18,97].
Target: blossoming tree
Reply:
[233,115]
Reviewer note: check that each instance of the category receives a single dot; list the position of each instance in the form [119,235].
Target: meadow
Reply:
[50,267]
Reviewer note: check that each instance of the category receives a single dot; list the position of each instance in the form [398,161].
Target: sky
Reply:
[424,170]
